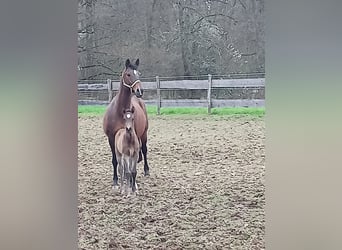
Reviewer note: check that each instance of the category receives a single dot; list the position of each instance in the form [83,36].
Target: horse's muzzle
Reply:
[139,93]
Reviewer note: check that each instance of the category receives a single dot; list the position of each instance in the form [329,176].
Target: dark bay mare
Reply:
[129,95]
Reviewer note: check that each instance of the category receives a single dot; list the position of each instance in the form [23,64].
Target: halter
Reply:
[130,86]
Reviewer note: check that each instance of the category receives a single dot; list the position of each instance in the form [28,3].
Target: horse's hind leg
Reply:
[122,173]
[114,161]
[134,175]
[140,156]
[144,151]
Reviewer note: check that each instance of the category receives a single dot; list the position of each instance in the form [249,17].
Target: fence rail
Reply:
[160,85]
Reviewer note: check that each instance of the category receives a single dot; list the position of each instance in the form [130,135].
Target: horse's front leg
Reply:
[114,161]
[115,174]
[144,151]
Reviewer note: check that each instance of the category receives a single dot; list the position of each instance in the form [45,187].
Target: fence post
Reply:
[110,92]
[209,93]
[158,95]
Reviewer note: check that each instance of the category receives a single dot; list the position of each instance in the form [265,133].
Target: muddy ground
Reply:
[206,189]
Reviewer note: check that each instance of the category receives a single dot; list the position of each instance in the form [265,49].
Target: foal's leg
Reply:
[144,151]
[130,171]
[111,140]
[128,176]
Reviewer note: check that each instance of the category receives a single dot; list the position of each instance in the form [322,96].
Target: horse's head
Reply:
[130,78]
[128,115]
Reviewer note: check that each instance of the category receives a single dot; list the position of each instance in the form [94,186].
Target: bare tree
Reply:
[178,37]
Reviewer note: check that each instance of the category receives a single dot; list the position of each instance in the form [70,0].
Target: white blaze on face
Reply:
[128,115]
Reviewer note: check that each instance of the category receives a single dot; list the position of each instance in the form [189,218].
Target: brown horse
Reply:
[127,147]
[130,93]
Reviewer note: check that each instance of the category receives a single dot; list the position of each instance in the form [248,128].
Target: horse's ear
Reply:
[132,110]
[127,63]
[137,62]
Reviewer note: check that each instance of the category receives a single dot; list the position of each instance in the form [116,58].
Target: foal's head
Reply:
[128,116]
[130,78]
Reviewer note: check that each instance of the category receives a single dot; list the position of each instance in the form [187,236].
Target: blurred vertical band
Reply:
[38,103]
[304,124]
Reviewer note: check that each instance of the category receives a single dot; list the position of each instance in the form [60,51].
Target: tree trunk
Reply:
[90,5]
[149,24]
[183,39]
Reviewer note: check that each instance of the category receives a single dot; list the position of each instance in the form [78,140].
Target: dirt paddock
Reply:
[206,189]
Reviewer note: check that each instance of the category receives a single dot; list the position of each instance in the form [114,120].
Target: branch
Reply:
[86,28]
[101,53]
[94,47]
[220,1]
[249,54]
[176,37]
[224,2]
[193,9]
[92,77]
[102,73]
[244,6]
[97,65]
[212,15]
[101,38]
[193,30]
[107,5]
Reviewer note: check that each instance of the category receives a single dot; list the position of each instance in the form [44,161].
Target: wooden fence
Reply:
[207,85]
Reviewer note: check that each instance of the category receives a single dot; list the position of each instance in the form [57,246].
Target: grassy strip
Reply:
[100,110]
[91,109]
[152,110]
[214,111]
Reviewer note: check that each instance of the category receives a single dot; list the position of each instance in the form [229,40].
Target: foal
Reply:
[127,146]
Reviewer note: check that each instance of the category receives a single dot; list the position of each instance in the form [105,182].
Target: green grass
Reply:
[100,109]
[93,110]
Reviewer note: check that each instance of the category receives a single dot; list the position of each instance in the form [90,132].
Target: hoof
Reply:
[135,190]
[115,188]
[129,193]
[147,173]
